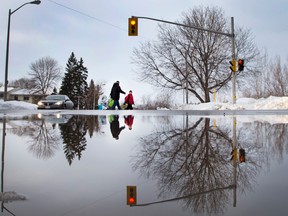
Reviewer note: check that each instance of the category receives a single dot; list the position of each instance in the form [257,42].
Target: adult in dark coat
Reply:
[115,95]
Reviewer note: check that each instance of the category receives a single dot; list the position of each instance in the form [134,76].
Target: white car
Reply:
[56,102]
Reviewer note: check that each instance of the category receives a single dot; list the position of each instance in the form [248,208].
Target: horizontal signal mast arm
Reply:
[188,26]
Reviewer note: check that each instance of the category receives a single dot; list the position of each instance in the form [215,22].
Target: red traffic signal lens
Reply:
[131,200]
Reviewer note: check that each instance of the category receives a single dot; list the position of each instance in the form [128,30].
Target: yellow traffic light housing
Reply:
[234,154]
[233,65]
[133,26]
[131,195]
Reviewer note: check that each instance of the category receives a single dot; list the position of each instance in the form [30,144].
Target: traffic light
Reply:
[133,26]
[233,65]
[242,155]
[131,195]
[240,64]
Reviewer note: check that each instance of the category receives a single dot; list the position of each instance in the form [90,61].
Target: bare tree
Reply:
[94,93]
[197,60]
[273,79]
[46,72]
[23,83]
[278,78]
[256,85]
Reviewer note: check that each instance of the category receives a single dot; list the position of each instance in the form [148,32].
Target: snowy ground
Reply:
[271,103]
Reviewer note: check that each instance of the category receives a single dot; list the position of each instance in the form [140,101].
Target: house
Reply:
[18,94]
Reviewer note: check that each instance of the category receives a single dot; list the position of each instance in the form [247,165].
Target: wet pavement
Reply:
[182,163]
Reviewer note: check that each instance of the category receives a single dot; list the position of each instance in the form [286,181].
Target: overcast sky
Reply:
[97,31]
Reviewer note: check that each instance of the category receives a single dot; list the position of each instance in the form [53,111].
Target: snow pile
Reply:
[270,103]
[11,196]
[17,105]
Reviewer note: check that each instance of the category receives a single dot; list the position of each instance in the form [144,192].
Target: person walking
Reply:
[115,95]
[129,100]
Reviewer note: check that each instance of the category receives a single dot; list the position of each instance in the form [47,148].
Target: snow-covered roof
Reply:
[24,92]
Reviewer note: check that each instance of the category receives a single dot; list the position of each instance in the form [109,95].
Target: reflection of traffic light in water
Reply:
[234,154]
[131,195]
[242,155]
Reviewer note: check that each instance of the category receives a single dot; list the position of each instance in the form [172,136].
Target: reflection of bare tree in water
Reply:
[193,160]
[44,140]
[93,124]
[278,139]
[271,139]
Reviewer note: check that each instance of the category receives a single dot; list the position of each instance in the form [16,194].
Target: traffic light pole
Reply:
[233,57]
[232,36]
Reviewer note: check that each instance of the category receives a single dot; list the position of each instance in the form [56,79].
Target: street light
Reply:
[37,2]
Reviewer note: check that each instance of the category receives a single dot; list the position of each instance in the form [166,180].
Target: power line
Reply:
[87,15]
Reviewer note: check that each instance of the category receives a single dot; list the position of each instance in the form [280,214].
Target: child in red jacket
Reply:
[129,100]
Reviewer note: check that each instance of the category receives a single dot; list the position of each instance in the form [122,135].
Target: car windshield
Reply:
[55,97]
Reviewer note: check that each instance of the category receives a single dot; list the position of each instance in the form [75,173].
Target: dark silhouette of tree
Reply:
[194,160]
[74,83]
[81,87]
[93,125]
[73,134]
[197,60]
[91,96]
[95,90]
[68,82]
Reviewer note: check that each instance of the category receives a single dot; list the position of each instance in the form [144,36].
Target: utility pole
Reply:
[233,57]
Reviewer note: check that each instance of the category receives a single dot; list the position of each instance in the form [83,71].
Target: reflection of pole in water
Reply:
[234,143]
[6,196]
[2,167]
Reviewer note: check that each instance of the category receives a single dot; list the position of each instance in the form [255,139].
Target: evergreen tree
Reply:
[81,83]
[74,83]
[68,80]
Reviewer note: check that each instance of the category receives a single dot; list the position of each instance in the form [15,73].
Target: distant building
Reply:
[18,94]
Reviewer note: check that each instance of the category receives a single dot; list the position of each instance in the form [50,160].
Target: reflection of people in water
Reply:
[115,126]
[129,121]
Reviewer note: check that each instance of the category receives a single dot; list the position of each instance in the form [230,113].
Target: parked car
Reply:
[56,102]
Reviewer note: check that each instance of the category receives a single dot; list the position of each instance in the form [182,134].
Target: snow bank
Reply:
[17,105]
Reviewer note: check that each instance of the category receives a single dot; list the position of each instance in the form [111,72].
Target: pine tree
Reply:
[68,82]
[82,86]
[74,83]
